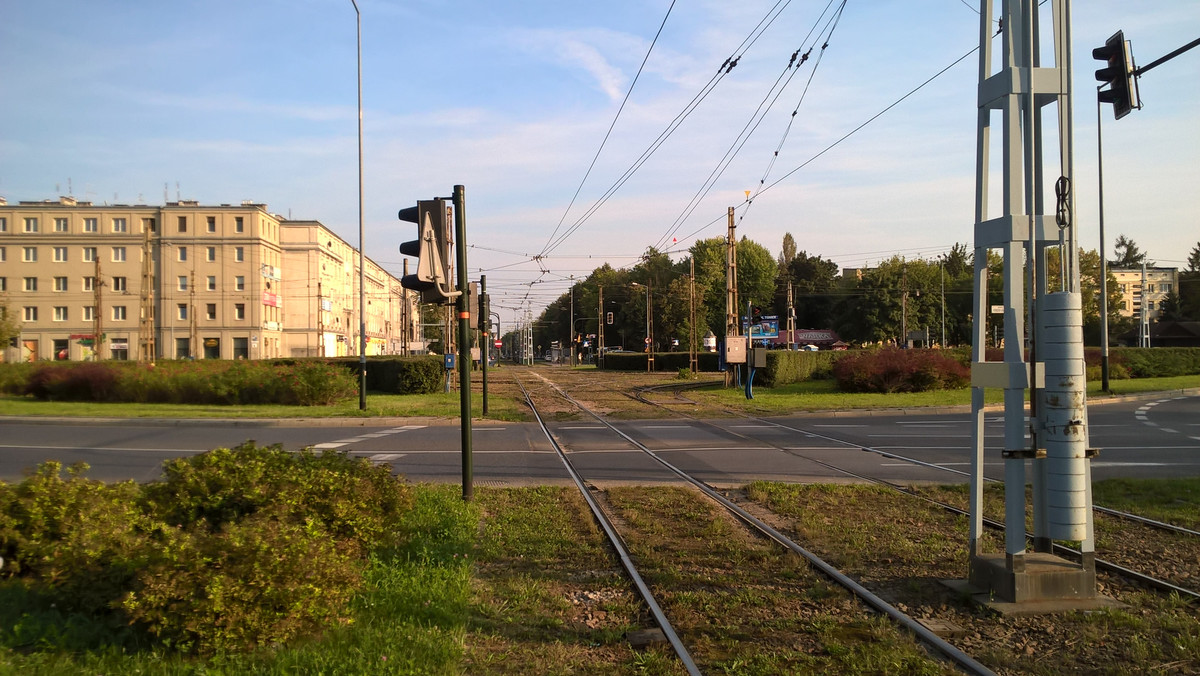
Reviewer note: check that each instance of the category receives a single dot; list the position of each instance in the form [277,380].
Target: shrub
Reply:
[81,541]
[893,370]
[351,498]
[312,383]
[423,375]
[261,581]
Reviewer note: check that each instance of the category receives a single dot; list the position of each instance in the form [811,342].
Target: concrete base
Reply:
[1040,583]
[1009,609]
[1038,576]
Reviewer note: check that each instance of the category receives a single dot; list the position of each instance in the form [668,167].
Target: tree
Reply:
[756,271]
[1189,288]
[1128,255]
[788,251]
[814,280]
[10,326]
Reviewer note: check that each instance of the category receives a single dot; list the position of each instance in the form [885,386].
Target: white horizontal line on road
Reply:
[106,448]
[385,457]
[488,429]
[921,436]
[838,425]
[663,427]
[584,427]
[331,444]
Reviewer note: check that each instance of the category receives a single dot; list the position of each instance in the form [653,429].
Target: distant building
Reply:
[186,280]
[1158,283]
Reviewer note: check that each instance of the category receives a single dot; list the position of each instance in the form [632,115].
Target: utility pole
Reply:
[649,329]
[693,360]
[599,323]
[571,331]
[97,297]
[146,314]
[464,341]
[791,319]
[731,319]
[195,336]
[321,320]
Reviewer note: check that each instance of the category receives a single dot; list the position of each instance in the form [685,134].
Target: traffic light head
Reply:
[1117,74]
[431,249]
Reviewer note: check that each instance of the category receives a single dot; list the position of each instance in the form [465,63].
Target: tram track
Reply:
[1112,567]
[928,637]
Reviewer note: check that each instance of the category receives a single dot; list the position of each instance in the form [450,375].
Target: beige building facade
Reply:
[186,280]
[1157,284]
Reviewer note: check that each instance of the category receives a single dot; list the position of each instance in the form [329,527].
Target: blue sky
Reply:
[223,101]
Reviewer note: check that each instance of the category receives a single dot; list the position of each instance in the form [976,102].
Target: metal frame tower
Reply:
[1043,345]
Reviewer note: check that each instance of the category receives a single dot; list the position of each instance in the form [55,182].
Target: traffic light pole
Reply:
[485,342]
[464,341]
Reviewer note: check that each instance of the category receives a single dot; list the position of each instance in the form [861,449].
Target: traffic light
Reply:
[1117,74]
[484,311]
[432,250]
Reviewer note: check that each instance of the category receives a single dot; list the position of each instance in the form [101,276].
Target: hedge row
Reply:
[234,549]
[663,361]
[309,383]
[399,375]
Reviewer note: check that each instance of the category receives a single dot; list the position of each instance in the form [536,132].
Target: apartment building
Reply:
[183,281]
[1150,287]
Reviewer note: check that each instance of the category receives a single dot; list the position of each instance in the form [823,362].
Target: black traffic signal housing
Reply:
[484,312]
[432,250]
[1117,75]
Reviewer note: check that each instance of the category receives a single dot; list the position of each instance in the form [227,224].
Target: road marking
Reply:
[386,457]
[584,427]
[106,448]
[331,444]
[839,425]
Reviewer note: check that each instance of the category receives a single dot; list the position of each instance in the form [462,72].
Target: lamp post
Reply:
[362,295]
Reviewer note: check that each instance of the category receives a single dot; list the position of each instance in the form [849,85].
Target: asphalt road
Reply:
[1142,438]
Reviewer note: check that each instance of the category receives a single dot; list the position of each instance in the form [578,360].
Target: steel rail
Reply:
[957,656]
[610,531]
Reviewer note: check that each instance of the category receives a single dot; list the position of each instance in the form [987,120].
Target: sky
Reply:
[221,101]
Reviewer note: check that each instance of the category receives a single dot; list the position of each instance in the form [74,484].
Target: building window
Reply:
[60,283]
[239,254]
[239,310]
[210,253]
[3,284]
[31,225]
[60,225]
[29,255]
[212,223]
[148,225]
[89,313]
[89,254]
[118,313]
[120,225]
[89,225]
[60,254]
[183,348]
[3,254]
[60,313]
[183,282]
[210,311]
[181,311]
[89,283]
[118,254]
[239,283]
[3,224]
[119,285]
[1149,288]
[241,348]
[183,224]
[31,284]
[183,253]
[212,283]
[238,224]
[30,313]
[1150,305]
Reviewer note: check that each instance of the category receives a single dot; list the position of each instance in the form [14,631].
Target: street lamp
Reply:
[362,305]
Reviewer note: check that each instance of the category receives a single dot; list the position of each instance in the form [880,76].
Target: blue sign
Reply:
[766,327]
[449,360]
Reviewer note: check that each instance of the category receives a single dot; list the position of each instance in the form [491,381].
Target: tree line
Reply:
[865,306]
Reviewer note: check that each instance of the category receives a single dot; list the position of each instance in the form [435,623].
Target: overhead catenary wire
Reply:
[726,67]
[760,114]
[608,133]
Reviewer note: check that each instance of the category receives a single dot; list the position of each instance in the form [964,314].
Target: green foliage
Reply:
[303,383]
[349,498]
[1156,362]
[685,374]
[399,375]
[80,540]
[260,581]
[785,367]
[892,370]
[236,548]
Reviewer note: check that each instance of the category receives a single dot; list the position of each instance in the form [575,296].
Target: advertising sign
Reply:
[767,326]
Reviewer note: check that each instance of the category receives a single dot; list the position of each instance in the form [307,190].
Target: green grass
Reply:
[1171,500]
[823,395]
[411,617]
